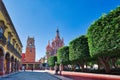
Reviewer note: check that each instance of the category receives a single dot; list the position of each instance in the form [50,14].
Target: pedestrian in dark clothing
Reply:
[57,70]
[32,68]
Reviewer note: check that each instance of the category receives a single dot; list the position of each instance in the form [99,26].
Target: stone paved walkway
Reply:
[29,75]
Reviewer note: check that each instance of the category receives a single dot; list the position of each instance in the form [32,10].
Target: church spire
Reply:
[49,43]
[57,33]
[57,30]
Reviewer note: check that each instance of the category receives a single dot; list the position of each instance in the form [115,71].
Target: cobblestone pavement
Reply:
[29,75]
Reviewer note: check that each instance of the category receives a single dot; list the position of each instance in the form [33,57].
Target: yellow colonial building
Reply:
[10,44]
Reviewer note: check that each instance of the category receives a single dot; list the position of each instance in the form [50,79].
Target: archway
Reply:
[7,63]
[1,61]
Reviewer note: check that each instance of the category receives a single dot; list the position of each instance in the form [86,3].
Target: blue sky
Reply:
[41,18]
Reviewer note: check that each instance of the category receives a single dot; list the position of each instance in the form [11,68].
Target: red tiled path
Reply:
[88,76]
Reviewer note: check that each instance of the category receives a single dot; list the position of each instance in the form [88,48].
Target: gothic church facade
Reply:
[51,49]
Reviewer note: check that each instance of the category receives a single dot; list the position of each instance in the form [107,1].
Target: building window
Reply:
[30,50]
[2,27]
[1,30]
[17,47]
[9,38]
[14,42]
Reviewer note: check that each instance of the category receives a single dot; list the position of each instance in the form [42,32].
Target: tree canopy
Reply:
[104,35]
[52,60]
[79,49]
[63,54]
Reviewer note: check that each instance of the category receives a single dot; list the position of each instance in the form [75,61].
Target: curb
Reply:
[53,75]
[58,76]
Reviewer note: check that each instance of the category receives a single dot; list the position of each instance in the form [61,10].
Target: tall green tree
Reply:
[79,50]
[52,60]
[104,38]
[63,55]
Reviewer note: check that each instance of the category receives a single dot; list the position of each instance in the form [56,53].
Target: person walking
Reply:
[23,68]
[60,68]
[56,69]
[32,68]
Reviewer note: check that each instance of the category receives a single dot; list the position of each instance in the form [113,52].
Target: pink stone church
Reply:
[57,42]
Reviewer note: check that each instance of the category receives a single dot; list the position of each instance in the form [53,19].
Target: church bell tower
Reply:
[30,50]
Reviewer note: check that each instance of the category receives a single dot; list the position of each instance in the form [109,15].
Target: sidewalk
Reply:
[86,76]
[31,75]
[52,72]
[6,75]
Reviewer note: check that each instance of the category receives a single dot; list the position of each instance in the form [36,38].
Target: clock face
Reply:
[30,44]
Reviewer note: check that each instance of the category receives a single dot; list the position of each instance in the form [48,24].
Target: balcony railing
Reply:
[10,46]
[13,50]
[16,53]
[2,39]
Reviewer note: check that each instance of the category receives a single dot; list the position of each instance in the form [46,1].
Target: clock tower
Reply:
[30,50]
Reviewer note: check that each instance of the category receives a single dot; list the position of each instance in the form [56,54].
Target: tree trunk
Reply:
[113,62]
[82,66]
[104,61]
[73,69]
[86,65]
[98,65]
[63,67]
[107,67]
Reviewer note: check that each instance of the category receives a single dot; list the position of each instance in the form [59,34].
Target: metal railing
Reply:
[13,50]
[2,39]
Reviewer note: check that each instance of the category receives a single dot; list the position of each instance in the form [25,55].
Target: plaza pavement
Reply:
[32,75]
[49,75]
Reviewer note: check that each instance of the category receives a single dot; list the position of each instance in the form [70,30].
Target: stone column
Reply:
[26,66]
[2,65]
[33,66]
[19,66]
[8,67]
[15,67]
[12,66]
